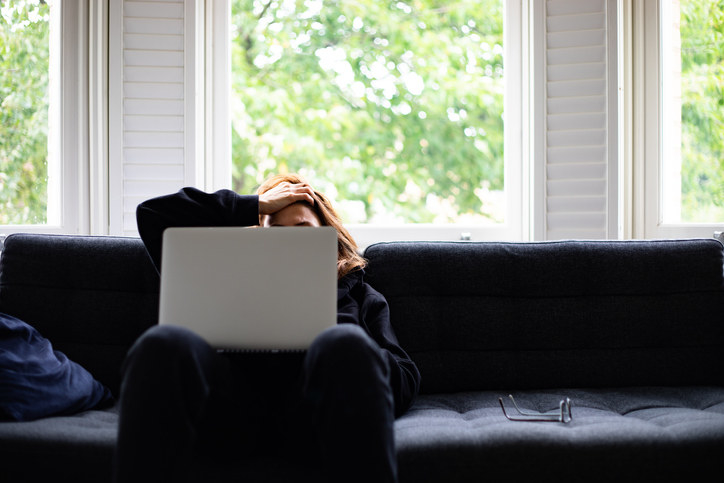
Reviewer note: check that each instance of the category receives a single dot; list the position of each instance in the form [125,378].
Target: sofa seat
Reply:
[448,437]
[57,447]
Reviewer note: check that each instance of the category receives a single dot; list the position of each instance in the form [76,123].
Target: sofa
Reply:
[630,332]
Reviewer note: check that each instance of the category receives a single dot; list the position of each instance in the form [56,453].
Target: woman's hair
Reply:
[348,260]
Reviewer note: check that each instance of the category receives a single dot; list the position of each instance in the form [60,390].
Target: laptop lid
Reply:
[250,288]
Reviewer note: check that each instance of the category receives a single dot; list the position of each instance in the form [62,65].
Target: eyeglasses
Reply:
[564,415]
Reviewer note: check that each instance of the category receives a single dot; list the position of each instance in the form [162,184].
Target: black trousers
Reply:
[186,409]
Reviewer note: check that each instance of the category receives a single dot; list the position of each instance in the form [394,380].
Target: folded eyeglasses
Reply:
[562,415]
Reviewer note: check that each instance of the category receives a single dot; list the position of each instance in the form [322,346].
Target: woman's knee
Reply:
[346,369]
[166,340]
[343,338]
[347,345]
[162,346]
[171,360]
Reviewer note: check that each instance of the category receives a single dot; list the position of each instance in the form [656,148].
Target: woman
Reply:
[187,408]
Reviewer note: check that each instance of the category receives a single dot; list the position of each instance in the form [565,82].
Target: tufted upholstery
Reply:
[617,434]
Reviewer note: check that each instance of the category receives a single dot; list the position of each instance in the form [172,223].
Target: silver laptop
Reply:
[250,288]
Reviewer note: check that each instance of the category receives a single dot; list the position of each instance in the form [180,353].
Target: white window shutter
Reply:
[150,107]
[578,151]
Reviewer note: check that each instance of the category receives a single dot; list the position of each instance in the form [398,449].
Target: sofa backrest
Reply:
[473,316]
[90,296]
[485,315]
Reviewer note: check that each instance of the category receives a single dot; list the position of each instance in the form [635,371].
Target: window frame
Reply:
[79,98]
[516,227]
[645,176]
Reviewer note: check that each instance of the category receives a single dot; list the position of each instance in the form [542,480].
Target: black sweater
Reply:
[357,302]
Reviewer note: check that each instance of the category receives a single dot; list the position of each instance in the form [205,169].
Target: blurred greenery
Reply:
[702,111]
[24,56]
[393,108]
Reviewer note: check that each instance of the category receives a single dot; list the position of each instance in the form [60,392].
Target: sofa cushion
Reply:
[80,449]
[76,448]
[616,434]
[477,316]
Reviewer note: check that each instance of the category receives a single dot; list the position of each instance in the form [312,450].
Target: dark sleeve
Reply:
[404,375]
[192,207]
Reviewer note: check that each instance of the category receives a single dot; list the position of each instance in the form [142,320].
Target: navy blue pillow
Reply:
[36,381]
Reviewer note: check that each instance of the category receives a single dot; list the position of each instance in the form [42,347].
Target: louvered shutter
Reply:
[580,100]
[150,157]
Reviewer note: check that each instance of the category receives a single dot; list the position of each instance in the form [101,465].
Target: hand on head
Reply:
[283,195]
[279,198]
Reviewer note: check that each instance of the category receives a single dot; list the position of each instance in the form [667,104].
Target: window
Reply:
[44,117]
[692,63]
[28,153]
[406,113]
[681,98]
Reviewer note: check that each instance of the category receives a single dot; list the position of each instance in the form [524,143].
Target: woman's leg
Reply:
[347,393]
[171,380]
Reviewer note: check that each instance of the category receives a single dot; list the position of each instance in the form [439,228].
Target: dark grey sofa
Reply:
[631,331]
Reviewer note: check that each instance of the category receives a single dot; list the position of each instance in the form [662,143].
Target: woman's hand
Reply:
[283,195]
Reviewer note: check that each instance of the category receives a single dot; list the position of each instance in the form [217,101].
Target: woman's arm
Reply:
[404,375]
[192,207]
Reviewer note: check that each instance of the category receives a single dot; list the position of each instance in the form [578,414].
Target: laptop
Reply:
[258,289]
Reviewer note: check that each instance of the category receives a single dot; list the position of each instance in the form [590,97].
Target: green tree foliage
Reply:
[394,107]
[702,110]
[24,29]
